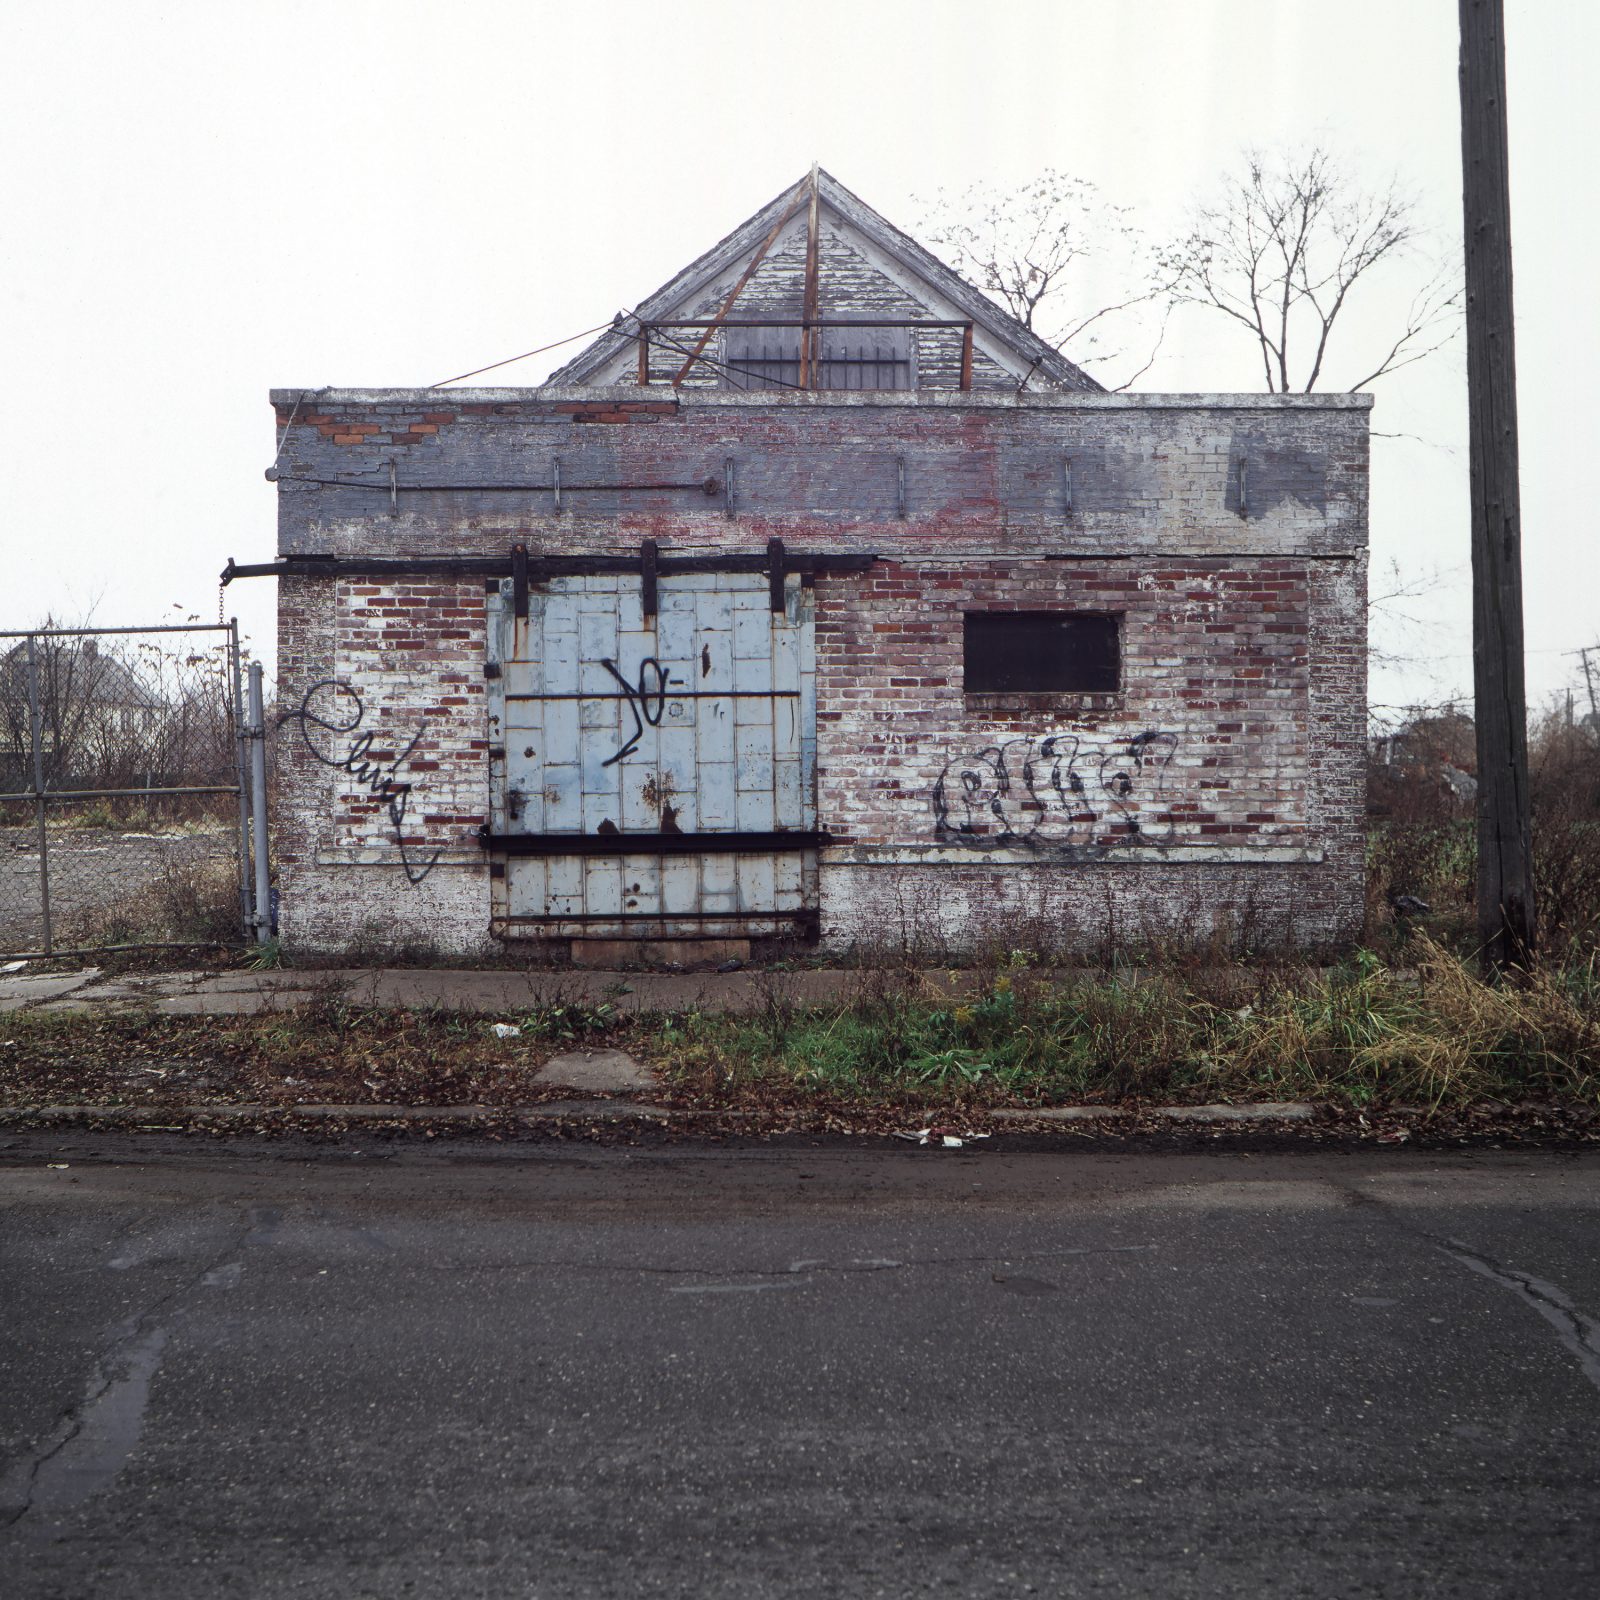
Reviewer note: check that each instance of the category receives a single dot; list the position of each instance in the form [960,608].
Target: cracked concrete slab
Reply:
[599,1071]
[235,1003]
[253,982]
[24,989]
[1264,1111]
[482,991]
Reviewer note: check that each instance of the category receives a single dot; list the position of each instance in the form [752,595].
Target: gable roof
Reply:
[80,668]
[1028,350]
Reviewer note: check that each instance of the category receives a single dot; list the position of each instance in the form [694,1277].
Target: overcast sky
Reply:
[201,201]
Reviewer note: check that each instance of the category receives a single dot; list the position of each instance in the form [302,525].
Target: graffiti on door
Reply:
[1060,790]
[646,700]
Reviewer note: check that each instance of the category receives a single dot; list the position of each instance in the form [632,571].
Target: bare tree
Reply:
[1035,249]
[1283,248]
[1392,612]
[74,679]
[116,712]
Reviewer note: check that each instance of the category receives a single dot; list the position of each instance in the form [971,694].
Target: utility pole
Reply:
[1507,925]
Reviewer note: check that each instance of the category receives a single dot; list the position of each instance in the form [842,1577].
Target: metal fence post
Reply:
[36,740]
[258,804]
[236,682]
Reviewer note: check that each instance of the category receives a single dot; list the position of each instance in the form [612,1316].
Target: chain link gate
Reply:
[125,816]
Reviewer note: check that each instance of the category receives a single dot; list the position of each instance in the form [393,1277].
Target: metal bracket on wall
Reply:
[649,594]
[775,574]
[519,582]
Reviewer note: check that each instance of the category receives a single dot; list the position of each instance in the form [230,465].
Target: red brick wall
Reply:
[1214,655]
[1221,784]
[383,763]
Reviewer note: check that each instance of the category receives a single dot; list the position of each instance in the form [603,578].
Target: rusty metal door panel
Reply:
[697,720]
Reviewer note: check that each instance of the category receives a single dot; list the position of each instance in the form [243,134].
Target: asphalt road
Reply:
[476,1370]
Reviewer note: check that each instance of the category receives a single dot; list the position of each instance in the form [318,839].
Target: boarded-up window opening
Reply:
[871,359]
[1041,652]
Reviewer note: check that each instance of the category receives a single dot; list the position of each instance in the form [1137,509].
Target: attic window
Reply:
[852,358]
[1041,652]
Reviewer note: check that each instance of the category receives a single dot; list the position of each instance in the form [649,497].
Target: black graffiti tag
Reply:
[375,771]
[648,704]
[1057,790]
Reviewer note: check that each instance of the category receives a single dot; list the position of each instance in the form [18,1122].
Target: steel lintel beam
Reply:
[541,567]
[648,844]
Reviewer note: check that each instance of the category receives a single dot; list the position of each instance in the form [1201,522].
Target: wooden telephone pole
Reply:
[1507,926]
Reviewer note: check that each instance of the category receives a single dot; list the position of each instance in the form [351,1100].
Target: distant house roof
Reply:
[79,668]
[1021,352]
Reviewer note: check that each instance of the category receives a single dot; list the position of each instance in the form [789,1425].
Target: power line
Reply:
[599,328]
[655,335]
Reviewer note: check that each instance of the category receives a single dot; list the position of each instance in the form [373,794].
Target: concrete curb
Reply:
[1262,1111]
[597,1111]
[233,1111]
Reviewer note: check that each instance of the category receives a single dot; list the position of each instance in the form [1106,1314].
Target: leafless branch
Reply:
[1284,249]
[1033,248]
[1161,336]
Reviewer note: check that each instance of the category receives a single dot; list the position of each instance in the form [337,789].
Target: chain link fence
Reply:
[124,816]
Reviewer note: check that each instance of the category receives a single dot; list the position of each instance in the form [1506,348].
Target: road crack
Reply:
[1579,1333]
[93,1438]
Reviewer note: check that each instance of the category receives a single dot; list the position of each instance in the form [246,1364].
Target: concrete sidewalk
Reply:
[240,993]
[748,991]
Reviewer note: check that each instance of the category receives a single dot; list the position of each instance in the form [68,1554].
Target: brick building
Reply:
[819,597]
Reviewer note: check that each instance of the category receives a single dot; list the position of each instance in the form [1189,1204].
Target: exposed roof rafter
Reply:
[750,243]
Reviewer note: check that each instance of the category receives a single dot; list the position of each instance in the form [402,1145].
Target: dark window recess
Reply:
[873,358]
[1041,652]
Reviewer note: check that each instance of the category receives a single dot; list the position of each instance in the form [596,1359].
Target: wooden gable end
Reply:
[871,281]
[856,288]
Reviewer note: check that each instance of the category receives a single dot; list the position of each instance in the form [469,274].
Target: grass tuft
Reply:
[1360,1034]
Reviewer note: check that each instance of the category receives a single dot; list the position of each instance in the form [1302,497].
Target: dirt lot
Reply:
[94,871]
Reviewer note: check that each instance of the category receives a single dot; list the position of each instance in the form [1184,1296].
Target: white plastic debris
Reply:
[13,966]
[942,1137]
[505,1030]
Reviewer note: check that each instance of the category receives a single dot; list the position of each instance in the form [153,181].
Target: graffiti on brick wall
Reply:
[1060,790]
[334,709]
